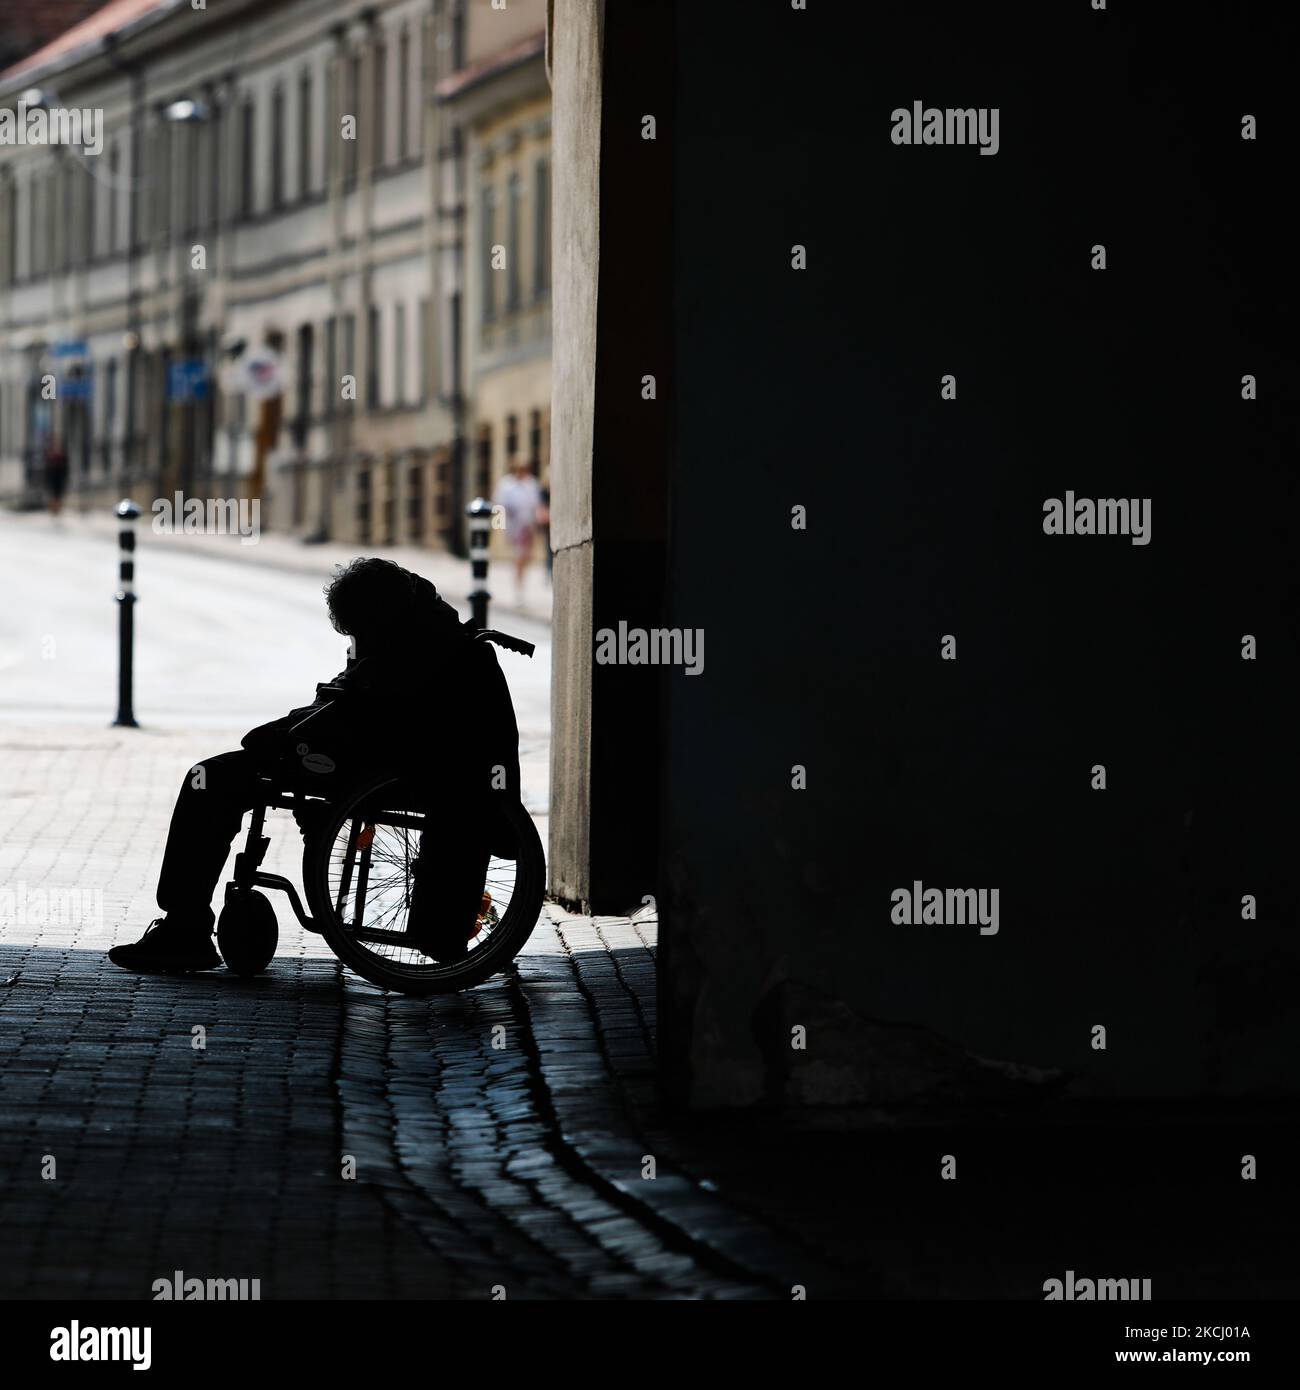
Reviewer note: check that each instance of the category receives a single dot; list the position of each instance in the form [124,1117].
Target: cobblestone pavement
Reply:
[210,1125]
[311,1132]
[330,1140]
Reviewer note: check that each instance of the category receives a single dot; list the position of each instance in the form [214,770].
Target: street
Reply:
[303,1129]
[312,1133]
[932,942]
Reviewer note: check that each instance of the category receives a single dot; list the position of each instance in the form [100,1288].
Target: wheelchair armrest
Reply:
[316,713]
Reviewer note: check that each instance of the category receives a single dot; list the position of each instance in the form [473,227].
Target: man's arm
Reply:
[268,742]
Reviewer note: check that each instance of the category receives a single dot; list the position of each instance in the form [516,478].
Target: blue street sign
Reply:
[187,380]
[70,347]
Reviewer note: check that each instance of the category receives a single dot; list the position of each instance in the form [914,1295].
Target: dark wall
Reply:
[629,482]
[821,388]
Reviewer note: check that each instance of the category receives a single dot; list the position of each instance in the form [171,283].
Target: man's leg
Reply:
[448,882]
[208,813]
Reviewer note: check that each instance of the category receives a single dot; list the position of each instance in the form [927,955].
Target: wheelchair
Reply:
[362,848]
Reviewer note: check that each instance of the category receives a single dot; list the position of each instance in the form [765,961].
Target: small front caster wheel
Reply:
[247,933]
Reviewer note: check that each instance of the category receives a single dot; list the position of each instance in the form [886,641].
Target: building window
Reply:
[351,99]
[380,105]
[373,342]
[415,501]
[114,169]
[390,502]
[399,354]
[144,198]
[331,366]
[216,139]
[89,211]
[349,356]
[488,232]
[67,192]
[417,87]
[32,232]
[514,196]
[363,505]
[29,195]
[110,413]
[304,135]
[166,136]
[512,439]
[40,224]
[542,231]
[193,183]
[9,194]
[53,227]
[426,330]
[535,441]
[457,35]
[306,350]
[449,368]
[441,468]
[277,148]
[47,224]
[483,480]
[458,160]
[403,96]
[247,148]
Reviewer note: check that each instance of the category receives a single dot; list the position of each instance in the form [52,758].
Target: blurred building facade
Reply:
[311,261]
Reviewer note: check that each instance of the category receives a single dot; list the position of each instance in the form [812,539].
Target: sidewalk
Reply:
[308,1130]
[450,575]
[304,1129]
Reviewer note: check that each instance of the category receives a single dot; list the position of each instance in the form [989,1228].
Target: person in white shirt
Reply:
[519,496]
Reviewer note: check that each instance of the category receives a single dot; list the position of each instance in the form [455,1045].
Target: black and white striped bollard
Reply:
[479,512]
[127,513]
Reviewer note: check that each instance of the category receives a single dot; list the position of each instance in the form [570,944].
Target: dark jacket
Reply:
[434,705]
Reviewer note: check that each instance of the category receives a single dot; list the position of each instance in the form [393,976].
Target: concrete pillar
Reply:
[609,464]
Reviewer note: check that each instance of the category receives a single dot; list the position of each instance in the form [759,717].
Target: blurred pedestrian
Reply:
[544,525]
[56,473]
[520,497]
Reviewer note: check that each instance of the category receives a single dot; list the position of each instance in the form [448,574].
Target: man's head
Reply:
[374,601]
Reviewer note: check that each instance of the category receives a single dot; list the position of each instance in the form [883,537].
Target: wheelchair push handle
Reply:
[503,639]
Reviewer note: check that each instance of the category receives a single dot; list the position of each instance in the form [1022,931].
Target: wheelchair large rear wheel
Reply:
[357,877]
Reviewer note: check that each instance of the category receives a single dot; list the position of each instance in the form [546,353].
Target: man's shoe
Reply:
[168,948]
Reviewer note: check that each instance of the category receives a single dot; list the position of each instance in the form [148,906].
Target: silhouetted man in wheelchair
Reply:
[421,697]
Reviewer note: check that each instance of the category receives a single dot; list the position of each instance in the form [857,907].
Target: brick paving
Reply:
[496,1142]
[481,1170]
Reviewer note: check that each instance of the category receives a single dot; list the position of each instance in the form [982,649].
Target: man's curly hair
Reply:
[372,598]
